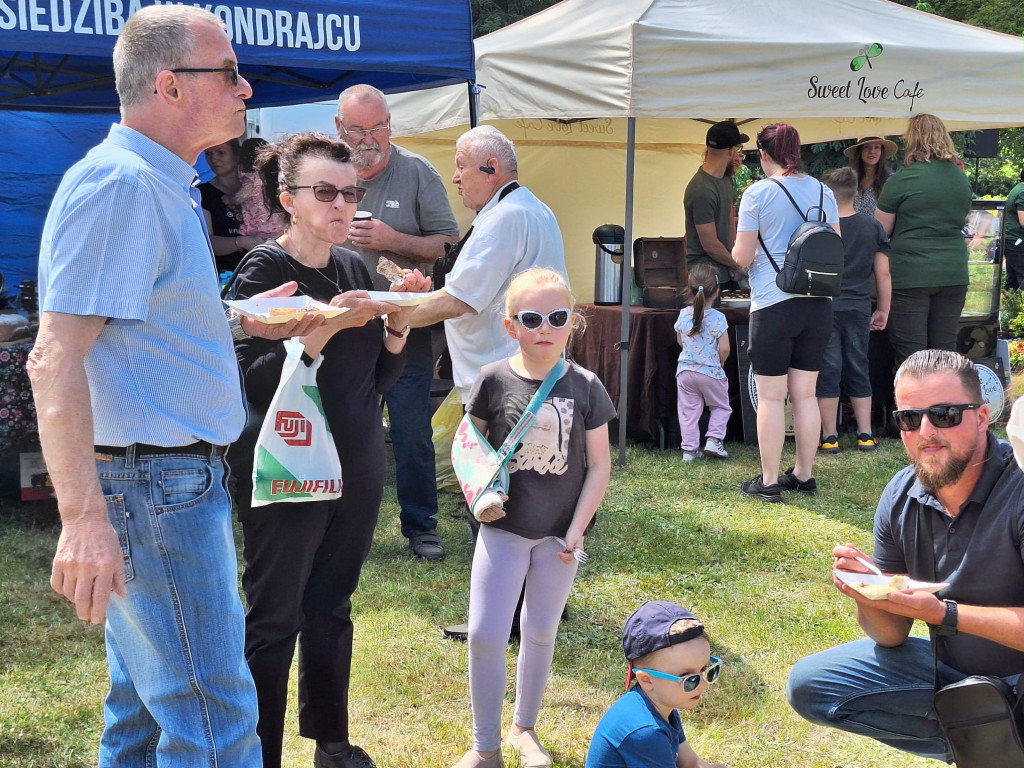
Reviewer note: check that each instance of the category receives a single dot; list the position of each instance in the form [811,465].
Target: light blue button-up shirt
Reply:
[125,239]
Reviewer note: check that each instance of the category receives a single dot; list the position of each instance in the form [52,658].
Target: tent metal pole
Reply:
[474,104]
[627,283]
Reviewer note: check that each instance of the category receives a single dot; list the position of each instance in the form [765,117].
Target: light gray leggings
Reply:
[502,561]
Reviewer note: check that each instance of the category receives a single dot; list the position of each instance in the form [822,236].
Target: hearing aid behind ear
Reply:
[487,169]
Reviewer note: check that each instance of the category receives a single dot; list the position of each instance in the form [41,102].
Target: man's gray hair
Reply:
[155,38]
[487,141]
[922,364]
[361,92]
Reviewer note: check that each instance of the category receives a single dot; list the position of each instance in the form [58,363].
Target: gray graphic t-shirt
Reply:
[548,468]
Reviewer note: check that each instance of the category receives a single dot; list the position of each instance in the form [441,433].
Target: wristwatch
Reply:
[949,621]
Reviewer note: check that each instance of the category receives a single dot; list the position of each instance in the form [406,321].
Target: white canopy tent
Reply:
[609,100]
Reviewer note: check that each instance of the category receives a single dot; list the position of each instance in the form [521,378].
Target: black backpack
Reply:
[814,257]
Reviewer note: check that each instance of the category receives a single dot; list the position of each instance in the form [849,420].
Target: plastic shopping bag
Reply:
[295,458]
[482,475]
[444,422]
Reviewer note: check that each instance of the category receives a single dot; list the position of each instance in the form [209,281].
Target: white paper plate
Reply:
[259,309]
[739,303]
[401,298]
[875,587]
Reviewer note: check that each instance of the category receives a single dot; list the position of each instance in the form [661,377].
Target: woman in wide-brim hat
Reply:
[867,158]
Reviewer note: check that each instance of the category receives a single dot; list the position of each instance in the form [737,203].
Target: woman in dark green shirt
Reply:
[923,208]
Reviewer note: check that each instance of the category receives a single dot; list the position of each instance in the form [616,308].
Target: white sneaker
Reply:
[689,456]
[714,447]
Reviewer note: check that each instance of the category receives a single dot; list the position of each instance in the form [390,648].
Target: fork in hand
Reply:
[579,554]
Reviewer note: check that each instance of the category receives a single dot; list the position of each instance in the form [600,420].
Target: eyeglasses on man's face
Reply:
[362,133]
[690,683]
[328,193]
[939,416]
[232,71]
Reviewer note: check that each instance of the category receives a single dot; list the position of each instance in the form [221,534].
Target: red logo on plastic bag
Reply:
[294,428]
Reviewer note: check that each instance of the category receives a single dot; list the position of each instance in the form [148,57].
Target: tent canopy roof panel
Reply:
[57,55]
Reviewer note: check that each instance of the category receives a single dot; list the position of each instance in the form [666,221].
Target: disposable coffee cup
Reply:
[362,216]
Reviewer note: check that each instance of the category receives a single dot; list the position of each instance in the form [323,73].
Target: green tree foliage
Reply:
[489,15]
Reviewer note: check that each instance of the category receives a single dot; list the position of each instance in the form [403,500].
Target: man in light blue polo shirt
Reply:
[138,396]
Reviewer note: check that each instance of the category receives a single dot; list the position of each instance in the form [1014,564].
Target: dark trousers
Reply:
[302,565]
[412,437]
[1014,258]
[925,318]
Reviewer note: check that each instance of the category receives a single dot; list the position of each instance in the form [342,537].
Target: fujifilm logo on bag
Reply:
[279,488]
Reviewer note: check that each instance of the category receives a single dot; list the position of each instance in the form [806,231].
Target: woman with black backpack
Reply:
[788,331]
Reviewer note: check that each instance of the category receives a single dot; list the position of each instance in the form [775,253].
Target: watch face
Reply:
[992,393]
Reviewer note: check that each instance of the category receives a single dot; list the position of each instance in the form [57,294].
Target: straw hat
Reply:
[889,147]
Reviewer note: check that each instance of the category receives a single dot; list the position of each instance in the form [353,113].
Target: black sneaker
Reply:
[350,757]
[790,482]
[866,442]
[757,489]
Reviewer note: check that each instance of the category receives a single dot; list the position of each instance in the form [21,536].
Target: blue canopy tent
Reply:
[57,82]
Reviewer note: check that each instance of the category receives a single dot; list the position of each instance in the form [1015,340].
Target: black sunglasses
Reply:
[328,193]
[531,321]
[233,71]
[939,416]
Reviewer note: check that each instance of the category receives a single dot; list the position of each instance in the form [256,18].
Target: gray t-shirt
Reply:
[863,237]
[409,197]
[547,470]
[708,200]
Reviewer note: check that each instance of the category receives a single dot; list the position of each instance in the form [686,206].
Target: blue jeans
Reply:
[180,690]
[884,693]
[412,437]
[846,356]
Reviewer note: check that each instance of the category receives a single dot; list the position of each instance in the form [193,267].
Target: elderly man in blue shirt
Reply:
[138,396]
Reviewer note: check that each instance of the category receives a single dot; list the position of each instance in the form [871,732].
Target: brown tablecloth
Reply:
[18,429]
[653,353]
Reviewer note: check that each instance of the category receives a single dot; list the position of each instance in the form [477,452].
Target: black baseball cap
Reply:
[725,135]
[647,630]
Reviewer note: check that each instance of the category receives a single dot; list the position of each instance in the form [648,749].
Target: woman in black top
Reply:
[222,219]
[302,560]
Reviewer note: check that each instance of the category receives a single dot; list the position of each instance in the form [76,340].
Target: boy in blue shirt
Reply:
[670,657]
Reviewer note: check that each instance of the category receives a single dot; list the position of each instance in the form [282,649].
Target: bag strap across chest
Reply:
[508,447]
[820,207]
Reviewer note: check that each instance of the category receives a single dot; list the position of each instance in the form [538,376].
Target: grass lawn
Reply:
[756,573]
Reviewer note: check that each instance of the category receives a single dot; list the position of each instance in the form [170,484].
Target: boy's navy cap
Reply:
[725,135]
[647,630]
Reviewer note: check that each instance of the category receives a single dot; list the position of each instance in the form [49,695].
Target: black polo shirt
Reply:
[979,552]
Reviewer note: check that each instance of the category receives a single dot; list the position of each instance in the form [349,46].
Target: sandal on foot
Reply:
[531,753]
[472,759]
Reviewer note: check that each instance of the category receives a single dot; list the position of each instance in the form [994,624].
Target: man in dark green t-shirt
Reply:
[1013,244]
[707,202]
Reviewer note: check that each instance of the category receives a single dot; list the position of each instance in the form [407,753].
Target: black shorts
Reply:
[790,334]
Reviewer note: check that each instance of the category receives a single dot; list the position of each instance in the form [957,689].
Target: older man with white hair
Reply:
[412,221]
[138,396]
[513,231]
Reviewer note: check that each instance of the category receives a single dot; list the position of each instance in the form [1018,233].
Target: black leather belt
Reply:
[202,448]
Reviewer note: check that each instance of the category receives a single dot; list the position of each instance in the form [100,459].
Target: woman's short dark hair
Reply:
[782,143]
[278,164]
